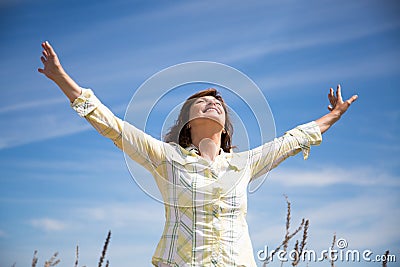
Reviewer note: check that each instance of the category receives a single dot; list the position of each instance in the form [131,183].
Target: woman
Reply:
[202,182]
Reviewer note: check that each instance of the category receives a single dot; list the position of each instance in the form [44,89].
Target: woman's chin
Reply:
[212,121]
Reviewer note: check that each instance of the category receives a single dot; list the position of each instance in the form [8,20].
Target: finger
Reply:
[339,93]
[352,99]
[331,97]
[44,53]
[43,60]
[330,93]
[46,48]
[330,108]
[50,49]
[40,70]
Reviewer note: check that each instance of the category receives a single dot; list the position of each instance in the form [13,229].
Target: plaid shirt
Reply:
[205,201]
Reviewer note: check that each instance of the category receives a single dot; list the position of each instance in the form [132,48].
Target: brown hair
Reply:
[180,132]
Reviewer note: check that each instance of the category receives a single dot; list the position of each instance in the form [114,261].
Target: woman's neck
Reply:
[208,142]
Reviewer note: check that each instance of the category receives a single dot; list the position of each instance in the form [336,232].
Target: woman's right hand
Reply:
[53,70]
[51,64]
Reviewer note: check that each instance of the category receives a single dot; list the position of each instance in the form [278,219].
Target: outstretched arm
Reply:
[337,108]
[54,71]
[268,156]
[141,147]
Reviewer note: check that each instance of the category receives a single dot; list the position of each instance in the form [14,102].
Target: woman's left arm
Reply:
[337,108]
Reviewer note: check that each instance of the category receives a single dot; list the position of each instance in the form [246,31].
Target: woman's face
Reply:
[209,108]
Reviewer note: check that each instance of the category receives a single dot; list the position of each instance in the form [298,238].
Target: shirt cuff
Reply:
[85,103]
[307,135]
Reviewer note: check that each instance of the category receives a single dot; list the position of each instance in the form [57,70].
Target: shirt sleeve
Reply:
[141,147]
[268,156]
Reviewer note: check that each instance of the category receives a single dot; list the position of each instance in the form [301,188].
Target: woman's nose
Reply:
[211,102]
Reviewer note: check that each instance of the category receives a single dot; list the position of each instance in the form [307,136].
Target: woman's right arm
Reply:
[144,149]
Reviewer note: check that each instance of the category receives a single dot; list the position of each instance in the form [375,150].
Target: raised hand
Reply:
[337,105]
[54,71]
[51,64]
[337,108]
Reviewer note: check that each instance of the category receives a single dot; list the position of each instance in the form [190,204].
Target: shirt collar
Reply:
[192,149]
[193,153]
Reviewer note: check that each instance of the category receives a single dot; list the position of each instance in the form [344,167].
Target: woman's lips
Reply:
[208,109]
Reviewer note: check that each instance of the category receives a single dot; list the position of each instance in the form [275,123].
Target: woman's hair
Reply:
[180,132]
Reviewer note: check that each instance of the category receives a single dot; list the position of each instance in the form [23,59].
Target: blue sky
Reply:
[62,184]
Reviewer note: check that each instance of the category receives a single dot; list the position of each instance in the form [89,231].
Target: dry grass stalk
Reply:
[384,263]
[332,247]
[332,254]
[103,254]
[288,236]
[35,259]
[300,247]
[305,233]
[285,245]
[77,256]
[296,248]
[53,261]
[286,240]
[287,221]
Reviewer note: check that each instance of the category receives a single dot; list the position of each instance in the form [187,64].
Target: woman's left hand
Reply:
[338,106]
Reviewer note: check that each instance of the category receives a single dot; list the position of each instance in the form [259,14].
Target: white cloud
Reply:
[31,124]
[365,221]
[374,66]
[32,104]
[23,130]
[327,176]
[119,214]
[253,50]
[48,224]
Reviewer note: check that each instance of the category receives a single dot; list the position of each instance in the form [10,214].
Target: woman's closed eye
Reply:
[200,100]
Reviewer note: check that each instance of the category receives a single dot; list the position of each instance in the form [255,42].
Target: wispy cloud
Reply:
[48,224]
[374,66]
[39,121]
[354,217]
[328,176]
[278,45]
[230,42]
[31,105]
[119,214]
[24,130]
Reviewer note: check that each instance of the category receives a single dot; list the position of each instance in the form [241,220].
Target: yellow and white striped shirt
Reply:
[205,201]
